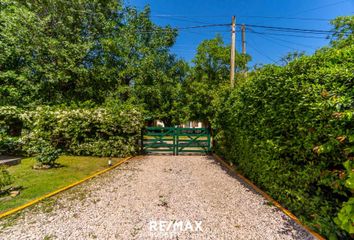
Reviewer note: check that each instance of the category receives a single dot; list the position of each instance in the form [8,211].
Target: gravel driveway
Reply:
[156,197]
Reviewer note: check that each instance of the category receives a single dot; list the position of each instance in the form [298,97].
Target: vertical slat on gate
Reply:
[142,141]
[174,141]
[177,138]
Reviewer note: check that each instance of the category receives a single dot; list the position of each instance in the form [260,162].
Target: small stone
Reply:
[41,167]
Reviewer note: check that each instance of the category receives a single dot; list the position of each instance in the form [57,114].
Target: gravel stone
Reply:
[123,203]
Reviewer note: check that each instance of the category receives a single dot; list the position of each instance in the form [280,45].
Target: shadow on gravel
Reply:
[300,232]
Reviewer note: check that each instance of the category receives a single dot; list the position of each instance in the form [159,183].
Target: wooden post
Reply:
[233,52]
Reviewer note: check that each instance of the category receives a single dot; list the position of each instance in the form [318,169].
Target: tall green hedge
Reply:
[102,131]
[290,130]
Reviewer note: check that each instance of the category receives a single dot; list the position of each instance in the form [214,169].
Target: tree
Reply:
[210,73]
[291,57]
[168,104]
[153,74]
[19,34]
[57,51]
[343,28]
[63,64]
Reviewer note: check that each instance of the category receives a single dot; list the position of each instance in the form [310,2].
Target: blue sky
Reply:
[264,48]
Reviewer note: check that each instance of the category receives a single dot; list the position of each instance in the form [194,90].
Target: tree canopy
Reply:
[60,51]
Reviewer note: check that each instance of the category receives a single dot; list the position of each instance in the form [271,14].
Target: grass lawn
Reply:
[39,182]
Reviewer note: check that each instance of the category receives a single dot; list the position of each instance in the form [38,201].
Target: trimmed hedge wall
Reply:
[290,130]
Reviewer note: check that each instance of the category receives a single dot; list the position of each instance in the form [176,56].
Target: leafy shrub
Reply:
[48,156]
[290,129]
[5,178]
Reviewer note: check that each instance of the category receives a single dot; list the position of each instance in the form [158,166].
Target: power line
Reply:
[273,28]
[179,19]
[270,28]
[198,33]
[243,16]
[264,55]
[320,7]
[186,28]
[282,40]
[288,35]
[276,42]
[204,26]
[288,29]
[289,18]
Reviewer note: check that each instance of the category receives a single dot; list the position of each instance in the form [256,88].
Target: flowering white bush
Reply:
[97,132]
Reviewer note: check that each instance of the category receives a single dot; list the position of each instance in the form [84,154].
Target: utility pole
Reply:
[233,51]
[243,31]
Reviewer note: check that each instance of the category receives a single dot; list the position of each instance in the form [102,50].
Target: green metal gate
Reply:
[175,140]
